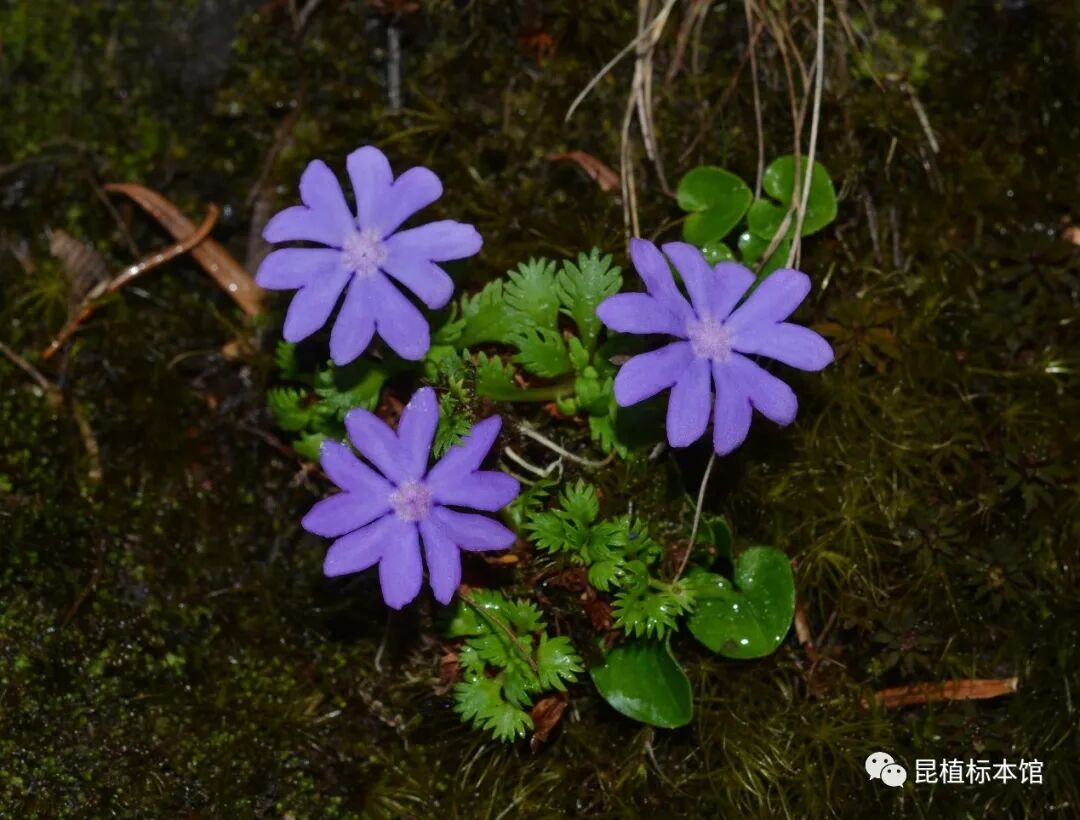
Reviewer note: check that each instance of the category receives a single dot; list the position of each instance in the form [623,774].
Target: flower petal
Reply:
[771,397]
[689,405]
[371,177]
[774,300]
[416,431]
[730,284]
[397,320]
[465,457]
[443,562]
[349,472]
[359,549]
[487,490]
[646,375]
[400,571]
[656,273]
[291,268]
[437,241]
[638,313]
[377,443]
[415,189]
[344,513]
[313,304]
[326,218]
[475,533]
[428,281]
[731,412]
[354,326]
[791,344]
[696,273]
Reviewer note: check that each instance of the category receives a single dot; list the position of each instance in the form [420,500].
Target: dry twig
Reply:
[919,693]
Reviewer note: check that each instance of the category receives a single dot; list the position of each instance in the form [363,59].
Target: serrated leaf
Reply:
[487,316]
[647,612]
[289,408]
[530,290]
[557,662]
[604,574]
[581,503]
[355,385]
[549,532]
[579,356]
[542,352]
[285,359]
[495,378]
[481,702]
[583,286]
[454,425]
[309,445]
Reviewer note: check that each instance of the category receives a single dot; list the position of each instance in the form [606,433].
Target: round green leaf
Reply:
[751,247]
[765,218]
[642,680]
[752,620]
[716,200]
[717,252]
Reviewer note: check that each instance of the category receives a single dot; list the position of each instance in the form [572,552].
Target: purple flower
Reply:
[361,253]
[713,336]
[382,518]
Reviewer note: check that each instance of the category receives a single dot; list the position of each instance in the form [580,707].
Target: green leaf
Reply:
[285,358]
[531,292]
[557,662]
[581,503]
[542,352]
[521,616]
[717,200]
[355,385]
[454,425]
[289,407]
[549,532]
[645,611]
[579,356]
[765,218]
[643,681]
[752,620]
[717,251]
[481,702]
[583,286]
[752,248]
[495,378]
[309,445]
[487,316]
[715,531]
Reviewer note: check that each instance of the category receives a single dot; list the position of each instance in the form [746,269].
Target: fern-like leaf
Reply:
[542,352]
[557,662]
[583,286]
[531,291]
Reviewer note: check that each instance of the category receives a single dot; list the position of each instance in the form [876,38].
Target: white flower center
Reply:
[411,501]
[709,339]
[363,252]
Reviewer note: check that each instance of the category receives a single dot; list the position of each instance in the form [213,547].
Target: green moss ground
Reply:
[168,645]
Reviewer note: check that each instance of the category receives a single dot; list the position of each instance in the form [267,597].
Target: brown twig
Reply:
[27,368]
[918,693]
[89,440]
[95,577]
[94,299]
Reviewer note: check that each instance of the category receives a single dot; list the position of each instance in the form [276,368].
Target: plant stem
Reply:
[491,619]
[697,516]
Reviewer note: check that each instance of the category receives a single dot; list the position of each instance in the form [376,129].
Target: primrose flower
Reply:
[362,254]
[714,338]
[382,518]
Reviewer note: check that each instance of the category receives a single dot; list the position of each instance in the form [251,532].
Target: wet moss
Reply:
[167,642]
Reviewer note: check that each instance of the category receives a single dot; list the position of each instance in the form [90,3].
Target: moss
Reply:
[167,642]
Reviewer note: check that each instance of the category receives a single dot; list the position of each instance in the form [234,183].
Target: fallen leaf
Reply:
[601,173]
[546,715]
[214,259]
